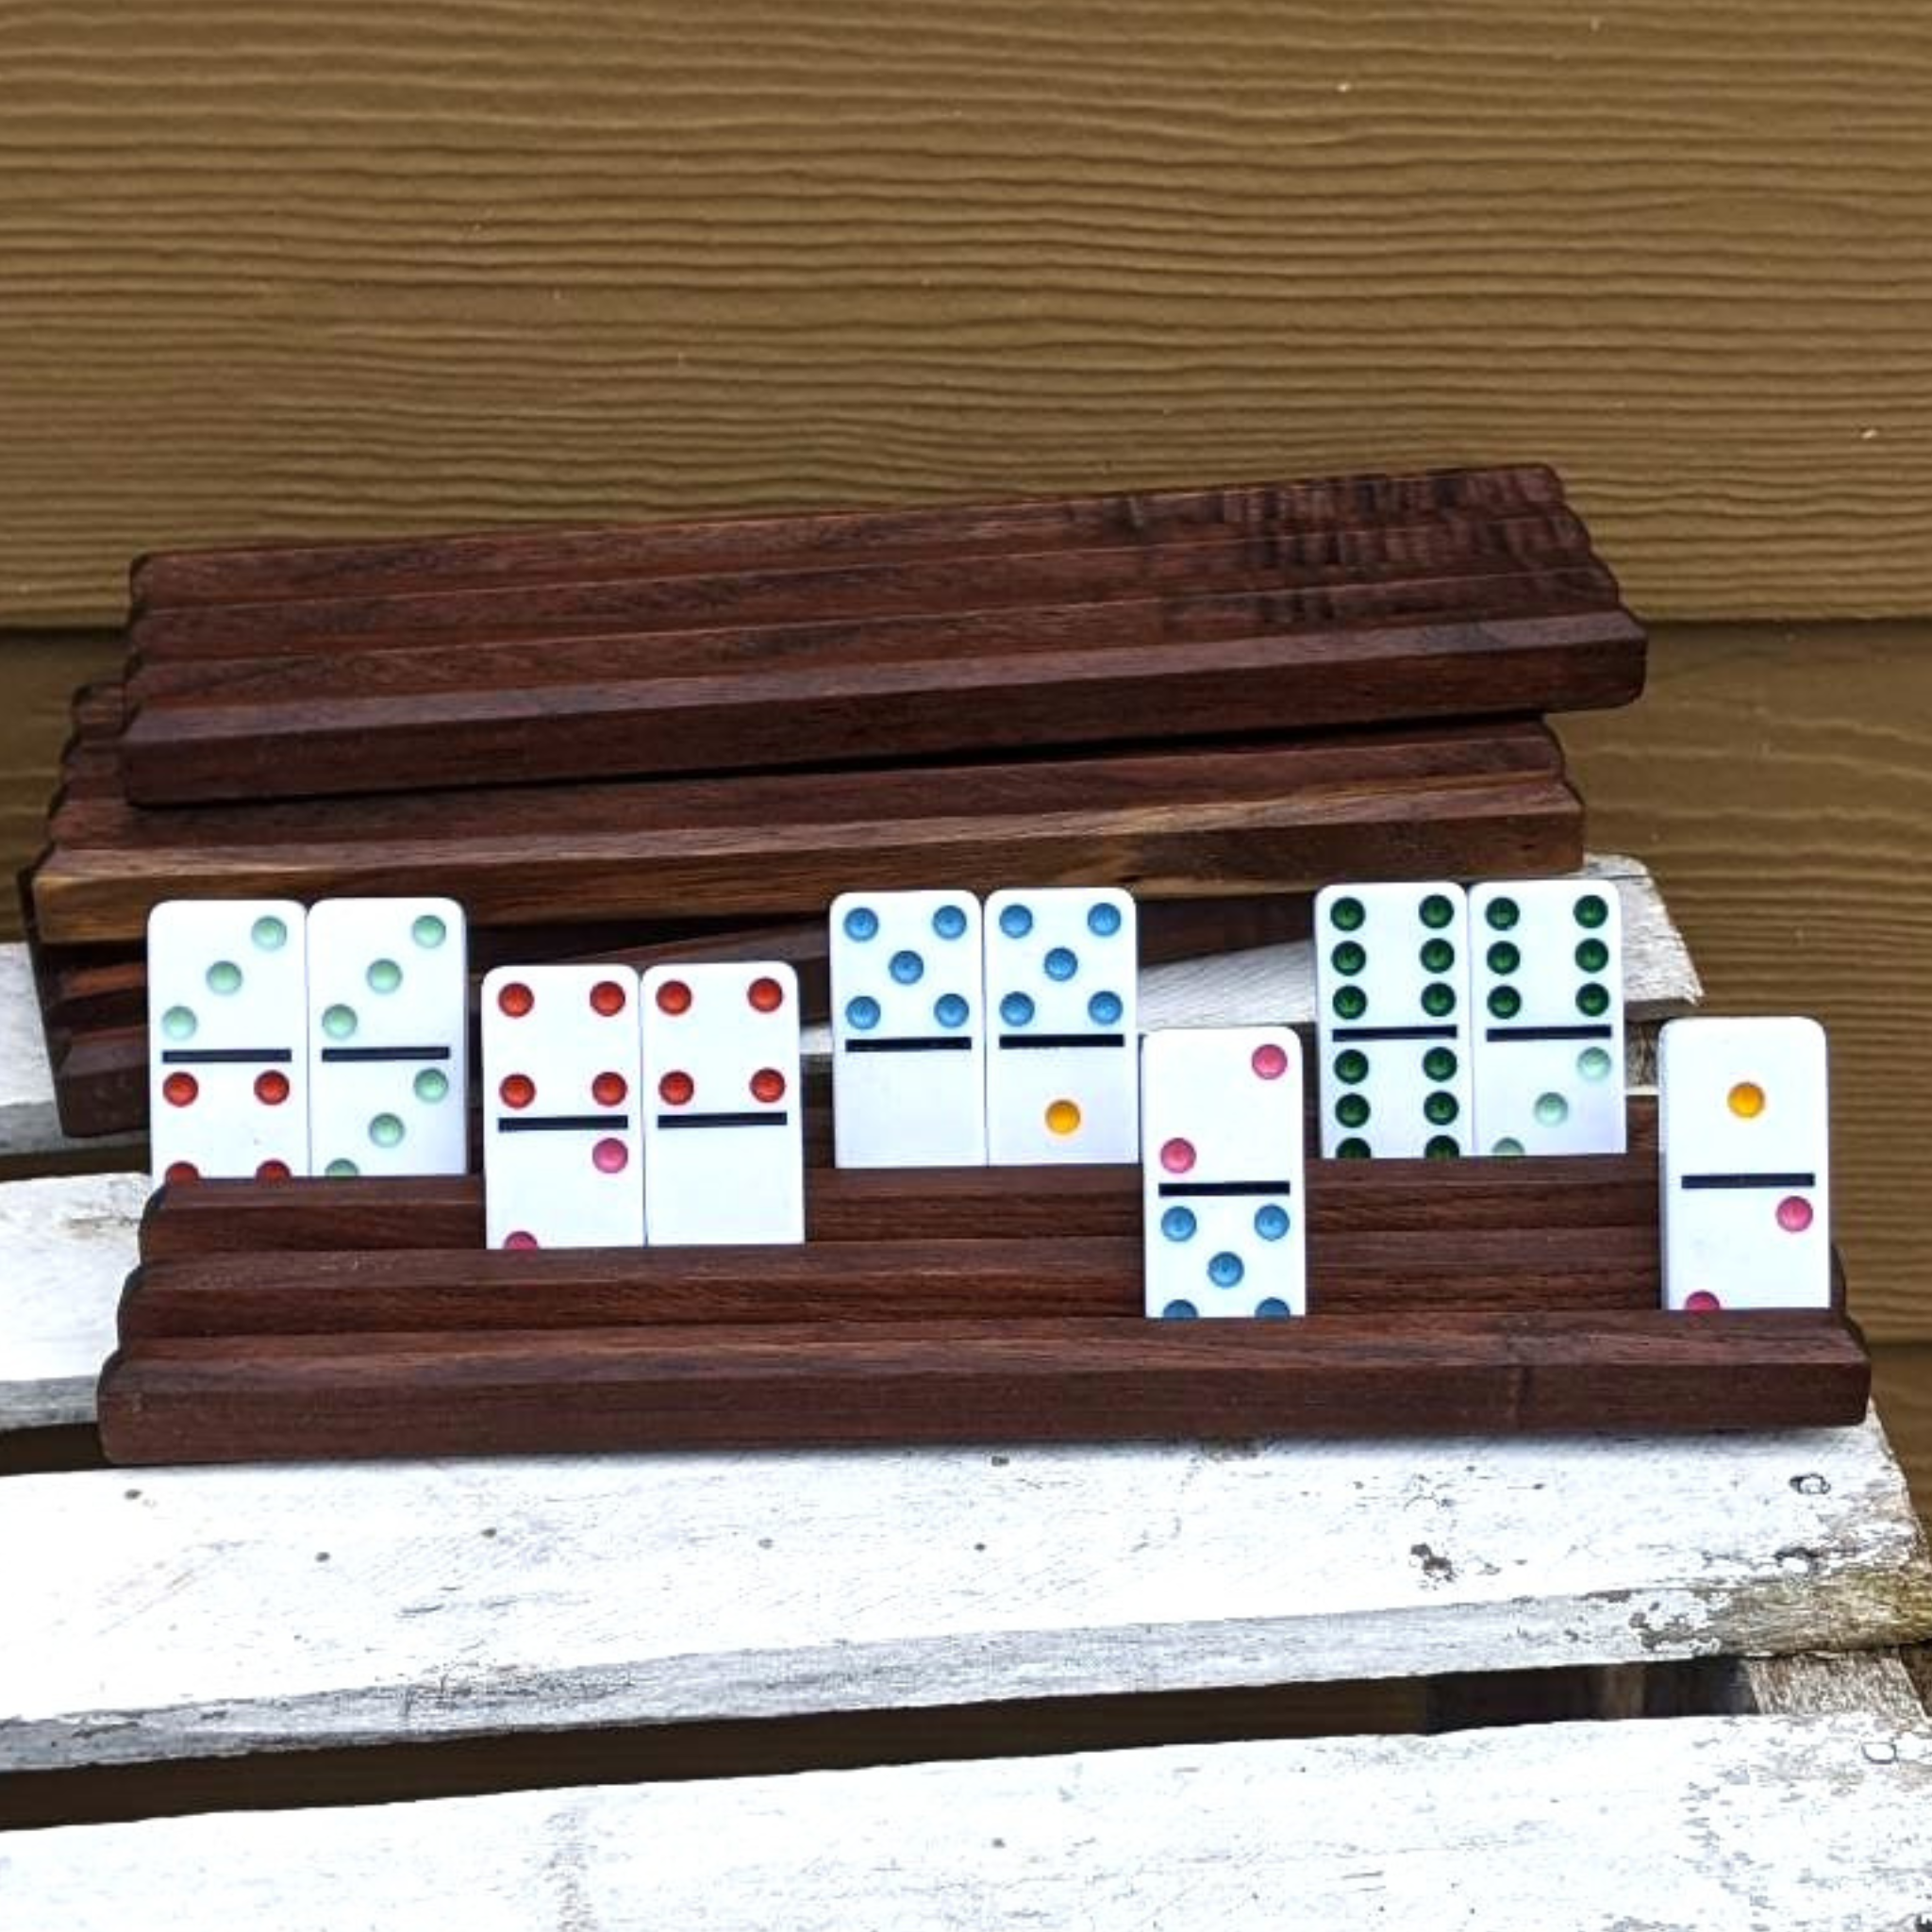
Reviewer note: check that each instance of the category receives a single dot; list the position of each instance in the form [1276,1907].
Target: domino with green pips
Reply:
[1546,997]
[1391,981]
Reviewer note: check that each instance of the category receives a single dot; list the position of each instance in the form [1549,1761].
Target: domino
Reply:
[562,1148]
[1745,1146]
[227,1064]
[909,1030]
[1546,993]
[1063,1079]
[388,1089]
[1391,987]
[1224,1198]
[724,1130]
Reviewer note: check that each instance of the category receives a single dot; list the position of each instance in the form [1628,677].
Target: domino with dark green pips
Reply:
[1546,989]
[1392,979]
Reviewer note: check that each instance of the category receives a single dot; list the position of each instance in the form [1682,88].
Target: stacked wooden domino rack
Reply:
[681,741]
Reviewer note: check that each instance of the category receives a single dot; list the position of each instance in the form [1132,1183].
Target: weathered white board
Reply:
[1705,1824]
[68,1243]
[152,1613]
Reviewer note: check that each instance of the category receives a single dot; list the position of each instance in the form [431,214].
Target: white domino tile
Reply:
[909,1030]
[1062,1076]
[1391,984]
[1546,998]
[227,1050]
[1224,1201]
[387,1037]
[1745,1142]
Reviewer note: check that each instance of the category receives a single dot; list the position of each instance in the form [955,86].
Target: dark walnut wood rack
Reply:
[354,1318]
[684,740]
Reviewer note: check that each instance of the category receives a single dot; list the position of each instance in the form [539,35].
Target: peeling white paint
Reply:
[1713,1824]
[171,1611]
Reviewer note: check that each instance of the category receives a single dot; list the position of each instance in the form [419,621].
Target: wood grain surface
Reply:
[368,268]
[900,1280]
[1349,1199]
[1363,518]
[1277,815]
[1466,1371]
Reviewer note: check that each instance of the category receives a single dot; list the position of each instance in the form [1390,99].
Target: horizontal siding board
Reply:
[282,271]
[1780,784]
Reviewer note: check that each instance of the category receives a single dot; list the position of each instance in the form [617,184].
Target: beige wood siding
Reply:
[374,266]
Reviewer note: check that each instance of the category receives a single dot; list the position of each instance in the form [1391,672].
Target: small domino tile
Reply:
[909,1030]
[1392,983]
[723,1132]
[228,1060]
[1546,993]
[1062,1075]
[561,1144]
[1223,1196]
[388,1035]
[1744,1148]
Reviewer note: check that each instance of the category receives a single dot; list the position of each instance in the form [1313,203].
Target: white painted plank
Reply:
[29,1124]
[69,1243]
[1712,1823]
[159,1613]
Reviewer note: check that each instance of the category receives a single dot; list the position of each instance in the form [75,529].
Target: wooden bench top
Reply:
[213,1610]
[1706,1823]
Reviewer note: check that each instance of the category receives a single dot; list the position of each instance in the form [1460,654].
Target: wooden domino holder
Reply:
[563,553]
[970,1305]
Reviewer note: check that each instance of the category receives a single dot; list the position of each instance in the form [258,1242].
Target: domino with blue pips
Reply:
[1224,1200]
[909,1030]
[1062,1075]
[1391,986]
